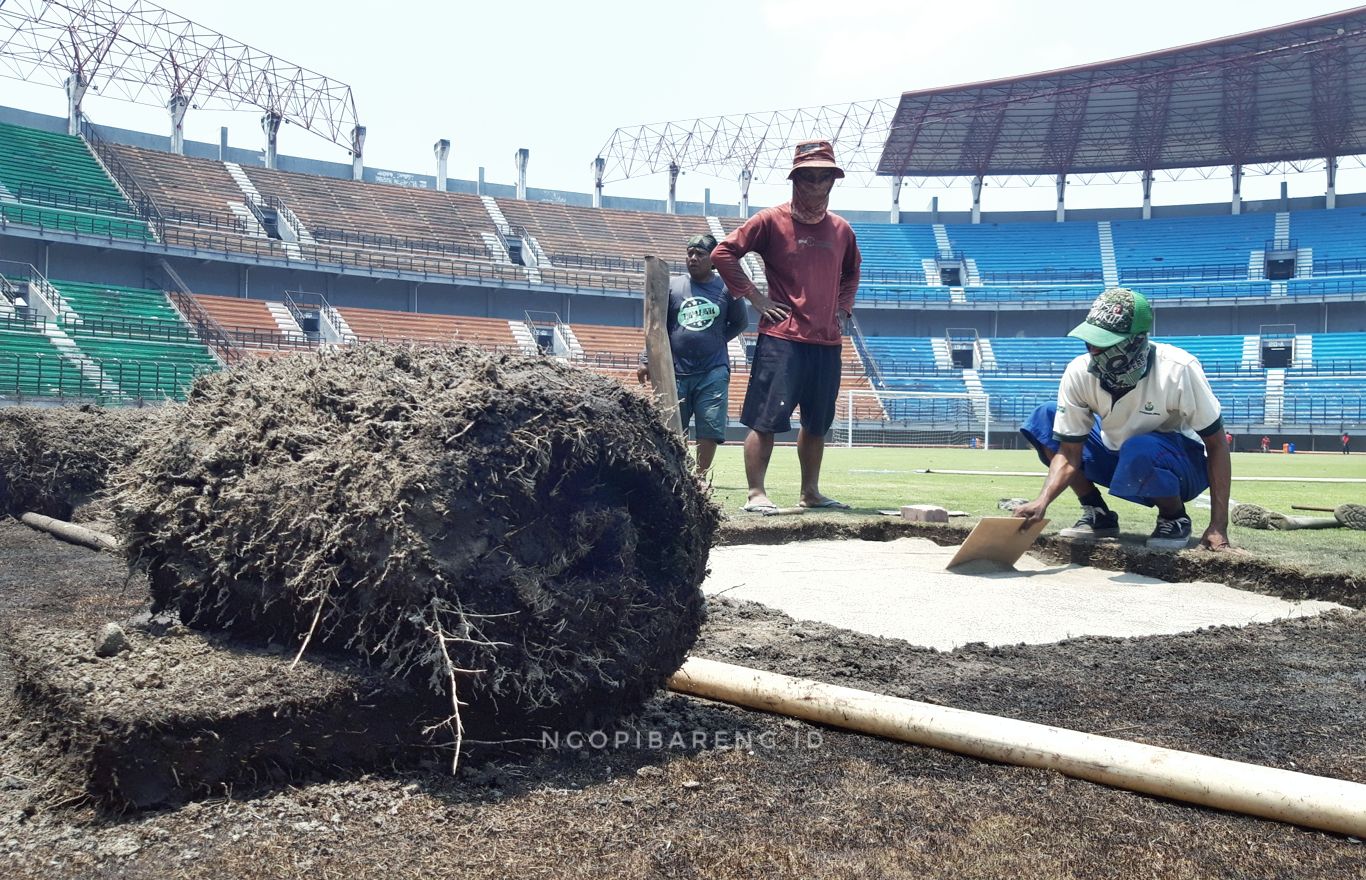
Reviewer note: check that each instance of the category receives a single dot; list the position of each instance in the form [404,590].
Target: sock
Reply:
[1180,513]
[1094,499]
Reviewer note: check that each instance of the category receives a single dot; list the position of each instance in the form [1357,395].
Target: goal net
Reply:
[912,418]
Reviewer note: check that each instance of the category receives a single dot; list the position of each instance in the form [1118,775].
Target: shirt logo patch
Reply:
[697,314]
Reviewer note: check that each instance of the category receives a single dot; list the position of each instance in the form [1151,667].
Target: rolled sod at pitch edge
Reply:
[54,459]
[1253,516]
[373,500]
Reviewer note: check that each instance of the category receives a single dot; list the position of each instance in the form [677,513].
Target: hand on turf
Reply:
[1031,512]
[1216,540]
[767,308]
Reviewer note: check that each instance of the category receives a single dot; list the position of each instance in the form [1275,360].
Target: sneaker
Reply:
[1353,516]
[1171,534]
[1094,523]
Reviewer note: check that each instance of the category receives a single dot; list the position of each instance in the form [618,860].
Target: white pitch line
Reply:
[1236,478]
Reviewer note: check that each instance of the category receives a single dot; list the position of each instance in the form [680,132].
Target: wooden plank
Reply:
[661,359]
[999,539]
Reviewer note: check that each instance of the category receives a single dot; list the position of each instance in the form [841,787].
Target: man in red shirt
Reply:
[811,260]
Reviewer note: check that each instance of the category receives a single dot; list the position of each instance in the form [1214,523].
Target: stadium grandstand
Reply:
[130,261]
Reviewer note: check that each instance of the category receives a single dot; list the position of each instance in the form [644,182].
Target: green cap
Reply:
[1116,315]
[705,242]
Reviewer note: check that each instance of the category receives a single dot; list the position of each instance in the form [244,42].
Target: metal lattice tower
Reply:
[758,143]
[140,52]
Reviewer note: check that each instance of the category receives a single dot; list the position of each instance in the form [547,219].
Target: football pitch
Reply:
[870,479]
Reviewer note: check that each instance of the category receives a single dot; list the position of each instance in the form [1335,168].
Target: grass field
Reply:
[871,479]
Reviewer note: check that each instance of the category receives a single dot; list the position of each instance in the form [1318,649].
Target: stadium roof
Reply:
[1292,92]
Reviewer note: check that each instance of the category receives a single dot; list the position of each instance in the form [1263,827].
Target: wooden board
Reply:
[997,538]
[657,350]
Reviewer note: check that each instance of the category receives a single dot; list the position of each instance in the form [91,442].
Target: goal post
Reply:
[912,418]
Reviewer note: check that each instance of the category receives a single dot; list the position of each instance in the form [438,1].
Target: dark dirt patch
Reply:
[524,534]
[1288,694]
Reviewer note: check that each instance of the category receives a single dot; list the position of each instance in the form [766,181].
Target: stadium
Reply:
[136,266]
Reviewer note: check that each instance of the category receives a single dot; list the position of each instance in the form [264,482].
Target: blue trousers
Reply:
[1158,465]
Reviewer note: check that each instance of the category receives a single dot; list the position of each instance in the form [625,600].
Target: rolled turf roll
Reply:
[54,459]
[529,531]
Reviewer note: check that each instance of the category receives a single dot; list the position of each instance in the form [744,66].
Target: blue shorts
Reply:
[1158,465]
[706,396]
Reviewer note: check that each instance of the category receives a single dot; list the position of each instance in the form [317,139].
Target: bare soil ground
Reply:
[694,789]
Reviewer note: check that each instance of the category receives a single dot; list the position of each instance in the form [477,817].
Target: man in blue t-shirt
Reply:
[703,318]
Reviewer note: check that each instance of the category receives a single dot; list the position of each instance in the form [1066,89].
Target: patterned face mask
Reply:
[1122,365]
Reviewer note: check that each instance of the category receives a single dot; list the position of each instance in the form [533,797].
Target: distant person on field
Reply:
[1136,416]
[1346,443]
[811,260]
[1266,444]
[1228,438]
[703,319]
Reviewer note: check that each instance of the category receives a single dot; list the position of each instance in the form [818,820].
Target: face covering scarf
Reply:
[810,201]
[1119,367]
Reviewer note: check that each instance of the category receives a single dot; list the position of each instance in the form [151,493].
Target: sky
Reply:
[558,78]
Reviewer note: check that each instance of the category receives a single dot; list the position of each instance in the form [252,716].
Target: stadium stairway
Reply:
[1109,268]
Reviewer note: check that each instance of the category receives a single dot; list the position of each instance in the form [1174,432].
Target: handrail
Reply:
[152,329]
[209,331]
[1043,369]
[1040,276]
[172,275]
[1155,274]
[180,330]
[612,360]
[211,221]
[30,323]
[392,242]
[46,293]
[64,197]
[211,242]
[1343,266]
[141,202]
[298,302]
[437,342]
[598,261]
[58,376]
[319,255]
[98,225]
[283,212]
[292,306]
[871,367]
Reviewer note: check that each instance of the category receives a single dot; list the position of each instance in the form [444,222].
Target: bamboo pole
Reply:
[657,351]
[1311,801]
[71,532]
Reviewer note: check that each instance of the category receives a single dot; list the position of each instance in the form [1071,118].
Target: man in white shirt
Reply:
[1138,417]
